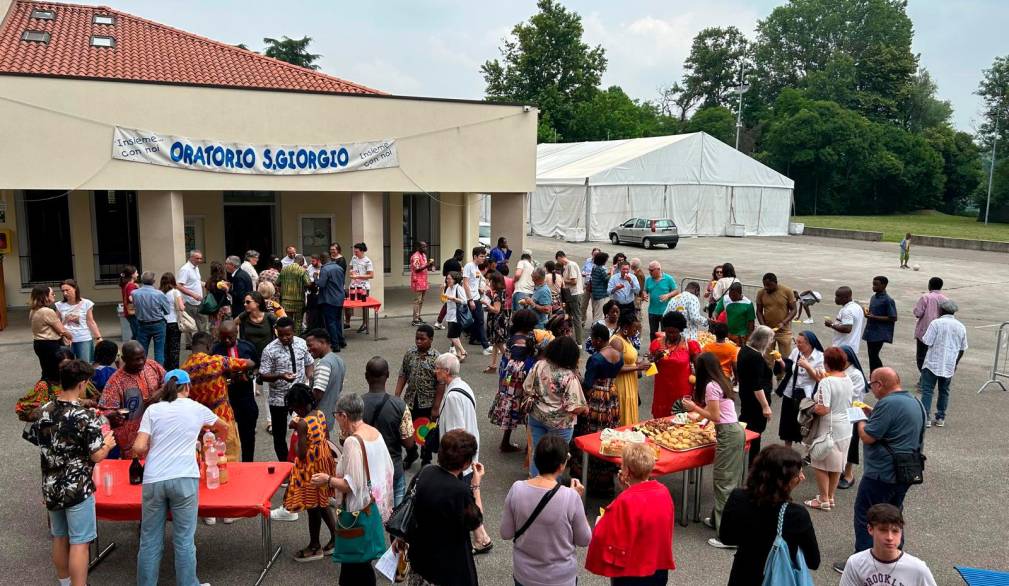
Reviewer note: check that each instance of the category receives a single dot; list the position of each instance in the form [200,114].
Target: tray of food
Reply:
[682,438]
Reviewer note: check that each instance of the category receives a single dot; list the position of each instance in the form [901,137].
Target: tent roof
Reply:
[697,158]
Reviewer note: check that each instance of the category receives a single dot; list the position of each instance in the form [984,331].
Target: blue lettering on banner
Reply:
[343,157]
[176,151]
[267,159]
[229,158]
[302,158]
[187,155]
[249,158]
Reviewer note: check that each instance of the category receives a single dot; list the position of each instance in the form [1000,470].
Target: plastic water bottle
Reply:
[209,449]
[213,477]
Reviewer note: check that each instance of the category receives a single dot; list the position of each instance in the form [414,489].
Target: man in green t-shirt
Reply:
[659,289]
[739,313]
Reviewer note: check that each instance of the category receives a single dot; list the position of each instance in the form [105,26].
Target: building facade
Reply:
[79,203]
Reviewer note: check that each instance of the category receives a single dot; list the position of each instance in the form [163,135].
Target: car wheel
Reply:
[614,238]
[672,244]
[647,243]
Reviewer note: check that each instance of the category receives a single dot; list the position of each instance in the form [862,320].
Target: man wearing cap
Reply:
[946,339]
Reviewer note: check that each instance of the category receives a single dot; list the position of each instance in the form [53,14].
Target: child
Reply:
[453,296]
[806,300]
[313,457]
[106,357]
[905,251]
[725,350]
[886,563]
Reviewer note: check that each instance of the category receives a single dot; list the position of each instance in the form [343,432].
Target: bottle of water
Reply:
[213,477]
[209,449]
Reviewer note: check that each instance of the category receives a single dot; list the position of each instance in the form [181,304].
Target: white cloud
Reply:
[385,76]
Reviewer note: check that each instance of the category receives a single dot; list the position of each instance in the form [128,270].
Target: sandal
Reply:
[308,555]
[328,548]
[490,369]
[817,504]
[483,548]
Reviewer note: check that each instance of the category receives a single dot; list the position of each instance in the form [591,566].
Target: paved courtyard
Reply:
[953,519]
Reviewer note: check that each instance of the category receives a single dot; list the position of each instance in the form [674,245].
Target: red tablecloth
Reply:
[370,303]
[247,494]
[668,461]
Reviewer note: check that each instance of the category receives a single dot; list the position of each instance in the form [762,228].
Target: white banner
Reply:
[154,148]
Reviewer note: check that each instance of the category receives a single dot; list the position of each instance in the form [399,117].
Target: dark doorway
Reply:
[248,227]
[46,252]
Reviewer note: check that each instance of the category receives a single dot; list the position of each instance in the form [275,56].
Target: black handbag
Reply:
[909,467]
[401,521]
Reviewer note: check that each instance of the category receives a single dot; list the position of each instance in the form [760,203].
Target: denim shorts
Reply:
[77,522]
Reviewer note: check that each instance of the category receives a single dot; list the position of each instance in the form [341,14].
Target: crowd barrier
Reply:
[1000,364]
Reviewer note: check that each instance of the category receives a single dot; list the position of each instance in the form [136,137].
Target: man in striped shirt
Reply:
[327,377]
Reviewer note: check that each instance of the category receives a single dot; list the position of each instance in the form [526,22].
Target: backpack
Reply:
[779,569]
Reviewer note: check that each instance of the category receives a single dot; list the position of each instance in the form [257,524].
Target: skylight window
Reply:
[104,19]
[35,36]
[44,14]
[102,41]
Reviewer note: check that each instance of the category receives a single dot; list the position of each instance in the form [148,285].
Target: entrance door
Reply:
[248,227]
[46,251]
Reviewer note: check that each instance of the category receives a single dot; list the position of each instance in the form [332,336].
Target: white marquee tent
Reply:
[584,189]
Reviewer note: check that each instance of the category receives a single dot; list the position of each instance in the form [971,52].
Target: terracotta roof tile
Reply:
[144,51]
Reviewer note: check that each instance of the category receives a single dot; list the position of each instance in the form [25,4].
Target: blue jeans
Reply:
[84,350]
[478,331]
[132,320]
[332,316]
[399,487]
[538,430]
[180,495]
[147,331]
[874,492]
[77,523]
[928,381]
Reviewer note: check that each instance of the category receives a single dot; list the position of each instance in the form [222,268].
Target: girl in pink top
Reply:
[713,399]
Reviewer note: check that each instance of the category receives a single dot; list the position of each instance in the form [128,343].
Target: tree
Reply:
[961,165]
[293,51]
[994,90]
[612,115]
[921,110]
[546,63]
[717,121]
[713,67]
[805,36]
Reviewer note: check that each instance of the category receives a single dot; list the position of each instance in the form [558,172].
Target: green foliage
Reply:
[961,165]
[293,51]
[999,188]
[713,68]
[612,115]
[921,110]
[717,121]
[994,90]
[546,63]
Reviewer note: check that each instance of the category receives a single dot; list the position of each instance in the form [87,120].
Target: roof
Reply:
[697,158]
[144,51]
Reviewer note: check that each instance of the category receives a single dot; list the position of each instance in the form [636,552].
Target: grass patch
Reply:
[926,223]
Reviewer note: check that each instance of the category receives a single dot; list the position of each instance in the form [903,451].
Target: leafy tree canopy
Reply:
[293,51]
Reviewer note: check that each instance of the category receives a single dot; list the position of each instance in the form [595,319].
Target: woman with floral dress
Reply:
[518,358]
[313,457]
[498,319]
[601,370]
[555,390]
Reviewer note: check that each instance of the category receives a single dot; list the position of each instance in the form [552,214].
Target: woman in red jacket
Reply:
[633,541]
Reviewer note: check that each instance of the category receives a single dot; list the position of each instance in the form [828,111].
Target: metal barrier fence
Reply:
[1000,364]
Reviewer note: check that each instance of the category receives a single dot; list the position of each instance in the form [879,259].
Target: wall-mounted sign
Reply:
[155,148]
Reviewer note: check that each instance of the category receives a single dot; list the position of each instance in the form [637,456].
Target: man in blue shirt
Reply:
[623,287]
[541,301]
[659,289]
[331,296]
[500,254]
[152,306]
[879,322]
[898,421]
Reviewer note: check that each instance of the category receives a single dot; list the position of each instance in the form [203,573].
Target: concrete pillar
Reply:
[161,220]
[509,216]
[366,226]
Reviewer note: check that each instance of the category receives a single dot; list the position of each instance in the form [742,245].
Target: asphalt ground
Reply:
[955,518]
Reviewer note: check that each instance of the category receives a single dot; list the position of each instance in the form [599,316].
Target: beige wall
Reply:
[443,146]
[208,206]
[509,218]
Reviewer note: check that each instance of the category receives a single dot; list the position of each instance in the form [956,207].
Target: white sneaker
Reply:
[716,543]
[808,320]
[282,514]
[438,326]
[210,520]
[928,424]
[227,520]
[488,351]
[940,422]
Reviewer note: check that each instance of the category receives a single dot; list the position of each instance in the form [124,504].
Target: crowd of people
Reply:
[565,343]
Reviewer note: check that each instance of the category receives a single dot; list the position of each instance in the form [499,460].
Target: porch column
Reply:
[161,220]
[509,216]
[366,226]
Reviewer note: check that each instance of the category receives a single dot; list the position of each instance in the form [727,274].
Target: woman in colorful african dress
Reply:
[519,357]
[498,320]
[601,370]
[313,456]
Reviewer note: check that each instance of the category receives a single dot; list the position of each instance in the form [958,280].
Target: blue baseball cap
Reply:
[181,377]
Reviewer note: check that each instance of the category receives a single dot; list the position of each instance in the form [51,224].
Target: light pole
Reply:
[741,89]
[991,169]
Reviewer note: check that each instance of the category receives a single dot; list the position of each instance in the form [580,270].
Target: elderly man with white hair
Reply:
[658,289]
[458,411]
[946,339]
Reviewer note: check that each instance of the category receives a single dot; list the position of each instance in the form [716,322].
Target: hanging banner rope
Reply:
[155,148]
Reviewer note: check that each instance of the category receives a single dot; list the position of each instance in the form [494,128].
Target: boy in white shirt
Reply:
[886,562]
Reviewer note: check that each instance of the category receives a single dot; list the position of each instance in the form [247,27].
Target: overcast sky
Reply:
[436,47]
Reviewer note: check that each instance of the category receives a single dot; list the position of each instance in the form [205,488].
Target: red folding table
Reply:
[248,492]
[371,304]
[668,462]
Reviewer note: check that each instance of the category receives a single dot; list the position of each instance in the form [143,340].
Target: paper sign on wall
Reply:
[155,148]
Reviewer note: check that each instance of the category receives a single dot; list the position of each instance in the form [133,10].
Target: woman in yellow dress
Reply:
[313,456]
[628,326]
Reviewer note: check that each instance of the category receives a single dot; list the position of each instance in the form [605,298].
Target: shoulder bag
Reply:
[824,444]
[401,521]
[463,315]
[779,569]
[359,534]
[909,467]
[536,512]
[209,305]
[187,325]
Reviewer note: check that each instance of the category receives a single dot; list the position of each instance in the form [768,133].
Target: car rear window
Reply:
[663,224]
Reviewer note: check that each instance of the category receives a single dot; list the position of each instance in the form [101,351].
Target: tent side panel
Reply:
[558,211]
